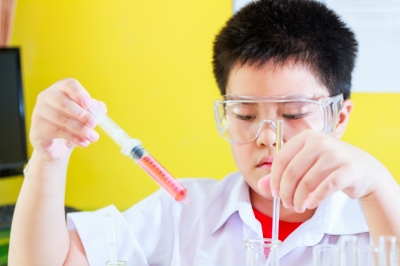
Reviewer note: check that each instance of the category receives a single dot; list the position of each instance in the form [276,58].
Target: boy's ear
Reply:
[344,117]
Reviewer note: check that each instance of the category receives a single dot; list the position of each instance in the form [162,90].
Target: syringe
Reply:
[134,149]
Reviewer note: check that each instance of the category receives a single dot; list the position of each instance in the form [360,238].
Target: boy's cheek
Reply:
[241,158]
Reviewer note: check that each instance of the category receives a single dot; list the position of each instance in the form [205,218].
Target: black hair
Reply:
[280,30]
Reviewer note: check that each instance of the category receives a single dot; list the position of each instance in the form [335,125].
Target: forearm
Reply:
[39,234]
[382,210]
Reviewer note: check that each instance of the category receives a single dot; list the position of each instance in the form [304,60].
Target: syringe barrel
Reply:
[112,129]
[159,174]
[134,149]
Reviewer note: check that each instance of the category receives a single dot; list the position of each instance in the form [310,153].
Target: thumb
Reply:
[264,183]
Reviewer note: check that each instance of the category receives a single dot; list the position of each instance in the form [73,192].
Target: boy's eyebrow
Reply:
[270,102]
[296,103]
[240,103]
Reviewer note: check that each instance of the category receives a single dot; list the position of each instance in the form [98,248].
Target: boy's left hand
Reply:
[311,166]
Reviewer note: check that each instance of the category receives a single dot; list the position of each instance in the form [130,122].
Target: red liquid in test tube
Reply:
[162,177]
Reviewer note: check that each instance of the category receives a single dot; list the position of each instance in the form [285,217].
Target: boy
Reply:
[281,59]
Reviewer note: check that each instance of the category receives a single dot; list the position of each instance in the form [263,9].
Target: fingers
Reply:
[281,162]
[61,113]
[65,106]
[265,183]
[76,91]
[312,166]
[317,176]
[294,181]
[305,172]
[329,185]
[55,131]
[70,126]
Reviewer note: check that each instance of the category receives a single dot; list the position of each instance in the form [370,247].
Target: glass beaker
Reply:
[326,255]
[119,263]
[259,249]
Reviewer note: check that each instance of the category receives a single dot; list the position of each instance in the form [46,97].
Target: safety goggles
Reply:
[240,119]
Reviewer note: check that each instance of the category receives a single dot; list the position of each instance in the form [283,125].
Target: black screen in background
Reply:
[12,129]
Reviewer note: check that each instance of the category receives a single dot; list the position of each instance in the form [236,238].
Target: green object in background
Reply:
[4,234]
[3,255]
[4,240]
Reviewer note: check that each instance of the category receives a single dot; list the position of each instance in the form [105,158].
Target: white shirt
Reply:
[209,231]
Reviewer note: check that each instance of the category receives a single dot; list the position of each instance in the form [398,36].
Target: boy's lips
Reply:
[265,162]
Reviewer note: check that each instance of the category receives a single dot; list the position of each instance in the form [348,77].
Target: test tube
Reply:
[398,253]
[347,249]
[134,149]
[277,201]
[367,255]
[110,232]
[387,251]
[326,255]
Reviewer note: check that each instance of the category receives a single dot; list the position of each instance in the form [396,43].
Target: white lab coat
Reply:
[209,231]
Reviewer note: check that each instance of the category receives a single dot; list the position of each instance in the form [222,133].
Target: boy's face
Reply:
[254,160]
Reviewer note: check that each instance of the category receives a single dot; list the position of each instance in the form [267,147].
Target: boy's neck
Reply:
[265,206]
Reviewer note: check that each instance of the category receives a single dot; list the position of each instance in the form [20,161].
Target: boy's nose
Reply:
[266,136]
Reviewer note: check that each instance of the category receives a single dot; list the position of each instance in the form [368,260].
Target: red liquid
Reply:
[163,178]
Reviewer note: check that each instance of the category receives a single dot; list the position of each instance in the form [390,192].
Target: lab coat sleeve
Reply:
[91,229]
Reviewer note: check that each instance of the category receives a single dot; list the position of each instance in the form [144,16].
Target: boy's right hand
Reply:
[61,120]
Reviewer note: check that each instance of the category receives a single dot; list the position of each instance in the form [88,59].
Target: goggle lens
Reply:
[240,119]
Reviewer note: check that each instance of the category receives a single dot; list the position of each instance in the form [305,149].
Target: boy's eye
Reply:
[294,116]
[244,112]
[245,117]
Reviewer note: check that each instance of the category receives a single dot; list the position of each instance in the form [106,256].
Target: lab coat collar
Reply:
[238,201]
[337,215]
[344,216]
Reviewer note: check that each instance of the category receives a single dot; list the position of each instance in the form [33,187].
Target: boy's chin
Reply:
[265,194]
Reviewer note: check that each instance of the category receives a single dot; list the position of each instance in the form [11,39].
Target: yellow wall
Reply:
[150,61]
[375,127]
